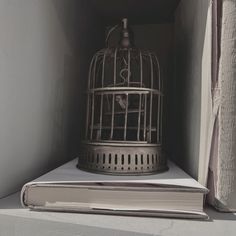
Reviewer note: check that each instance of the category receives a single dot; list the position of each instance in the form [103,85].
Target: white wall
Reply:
[193,72]
[39,70]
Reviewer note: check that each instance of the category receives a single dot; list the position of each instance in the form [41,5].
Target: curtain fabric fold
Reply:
[222,165]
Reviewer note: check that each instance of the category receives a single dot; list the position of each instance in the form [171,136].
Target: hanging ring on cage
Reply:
[109,34]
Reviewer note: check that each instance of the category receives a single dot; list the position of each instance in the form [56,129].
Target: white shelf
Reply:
[14,220]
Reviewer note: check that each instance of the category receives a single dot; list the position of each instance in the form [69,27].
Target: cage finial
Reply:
[125,23]
[126,35]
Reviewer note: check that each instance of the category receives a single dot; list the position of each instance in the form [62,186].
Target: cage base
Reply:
[122,159]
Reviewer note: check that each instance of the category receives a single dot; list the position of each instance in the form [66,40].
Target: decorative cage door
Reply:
[124,111]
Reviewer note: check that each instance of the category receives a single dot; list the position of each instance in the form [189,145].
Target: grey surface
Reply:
[34,91]
[25,226]
[17,221]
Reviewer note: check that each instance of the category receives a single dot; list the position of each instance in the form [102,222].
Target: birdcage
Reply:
[124,110]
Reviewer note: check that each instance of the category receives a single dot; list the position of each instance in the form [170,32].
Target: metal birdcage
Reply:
[124,110]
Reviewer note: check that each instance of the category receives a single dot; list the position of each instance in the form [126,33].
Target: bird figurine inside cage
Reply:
[123,133]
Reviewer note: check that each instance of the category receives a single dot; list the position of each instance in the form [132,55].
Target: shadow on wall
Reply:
[81,26]
[42,76]
[33,91]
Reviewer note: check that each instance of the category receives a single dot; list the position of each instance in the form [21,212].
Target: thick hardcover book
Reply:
[170,194]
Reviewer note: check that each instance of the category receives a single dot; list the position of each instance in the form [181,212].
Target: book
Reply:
[169,194]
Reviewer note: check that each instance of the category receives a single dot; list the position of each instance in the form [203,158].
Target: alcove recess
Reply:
[47,48]
[175,30]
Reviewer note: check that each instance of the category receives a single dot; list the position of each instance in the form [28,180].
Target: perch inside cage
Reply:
[124,110]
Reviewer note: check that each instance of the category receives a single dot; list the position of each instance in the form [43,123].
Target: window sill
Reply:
[15,220]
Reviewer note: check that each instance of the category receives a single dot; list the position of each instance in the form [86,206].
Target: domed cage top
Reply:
[124,111]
